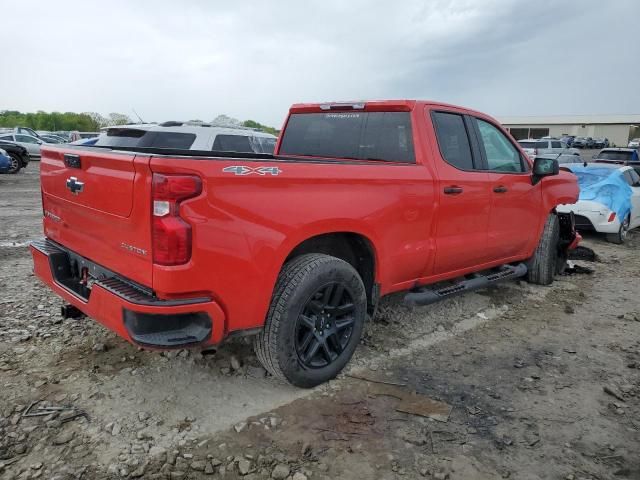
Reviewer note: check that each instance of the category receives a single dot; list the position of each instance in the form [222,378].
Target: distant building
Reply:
[617,128]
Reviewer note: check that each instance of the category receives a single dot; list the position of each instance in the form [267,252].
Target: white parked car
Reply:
[179,136]
[609,199]
[543,146]
[32,144]
[634,143]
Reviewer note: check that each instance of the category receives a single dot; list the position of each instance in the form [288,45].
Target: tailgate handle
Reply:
[72,161]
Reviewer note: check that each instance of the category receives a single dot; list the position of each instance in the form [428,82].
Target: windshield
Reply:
[533,144]
[615,155]
[589,177]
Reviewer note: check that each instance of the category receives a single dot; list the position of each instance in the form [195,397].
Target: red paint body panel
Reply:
[244,227]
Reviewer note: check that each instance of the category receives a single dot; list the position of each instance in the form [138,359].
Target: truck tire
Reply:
[543,265]
[621,235]
[315,320]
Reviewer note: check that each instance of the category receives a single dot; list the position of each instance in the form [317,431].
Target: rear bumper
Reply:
[136,316]
[592,216]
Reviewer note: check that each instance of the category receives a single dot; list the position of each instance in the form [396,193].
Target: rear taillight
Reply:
[171,234]
[612,217]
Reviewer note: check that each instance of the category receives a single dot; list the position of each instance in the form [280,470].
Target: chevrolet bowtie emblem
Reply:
[74,185]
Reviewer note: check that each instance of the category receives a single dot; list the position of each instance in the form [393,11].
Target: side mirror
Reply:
[544,167]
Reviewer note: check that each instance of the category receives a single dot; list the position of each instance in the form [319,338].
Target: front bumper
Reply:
[132,313]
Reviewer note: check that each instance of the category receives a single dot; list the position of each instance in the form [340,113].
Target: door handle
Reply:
[453,190]
[500,189]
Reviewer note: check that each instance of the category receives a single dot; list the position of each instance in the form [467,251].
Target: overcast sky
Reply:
[184,60]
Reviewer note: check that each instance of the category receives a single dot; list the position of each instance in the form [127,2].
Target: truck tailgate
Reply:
[98,204]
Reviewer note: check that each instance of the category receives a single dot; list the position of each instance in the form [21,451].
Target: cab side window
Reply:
[500,153]
[453,140]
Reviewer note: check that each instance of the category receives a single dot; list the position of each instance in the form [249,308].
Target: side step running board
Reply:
[427,296]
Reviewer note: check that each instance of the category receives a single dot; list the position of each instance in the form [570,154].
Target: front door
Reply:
[463,196]
[516,204]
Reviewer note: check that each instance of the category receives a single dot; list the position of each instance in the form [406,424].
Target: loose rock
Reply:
[64,437]
[244,466]
[280,472]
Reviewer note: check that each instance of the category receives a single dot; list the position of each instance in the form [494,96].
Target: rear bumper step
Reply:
[66,266]
[427,296]
[131,311]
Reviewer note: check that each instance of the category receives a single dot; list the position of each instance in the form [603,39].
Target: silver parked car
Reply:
[563,157]
[32,144]
[534,148]
[181,136]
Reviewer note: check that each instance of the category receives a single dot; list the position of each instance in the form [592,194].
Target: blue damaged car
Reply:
[609,200]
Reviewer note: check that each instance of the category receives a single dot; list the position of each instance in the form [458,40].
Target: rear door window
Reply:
[383,136]
[232,143]
[263,144]
[556,145]
[453,140]
[501,155]
[177,140]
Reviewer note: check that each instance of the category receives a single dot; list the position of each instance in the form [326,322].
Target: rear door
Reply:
[463,195]
[515,203]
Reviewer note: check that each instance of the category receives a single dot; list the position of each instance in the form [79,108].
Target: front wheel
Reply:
[315,320]
[621,235]
[546,260]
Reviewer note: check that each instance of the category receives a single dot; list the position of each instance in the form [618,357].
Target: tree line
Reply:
[93,122]
[61,121]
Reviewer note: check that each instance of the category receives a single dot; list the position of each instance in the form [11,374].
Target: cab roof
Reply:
[374,106]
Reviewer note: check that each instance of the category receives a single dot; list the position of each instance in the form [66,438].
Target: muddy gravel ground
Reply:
[516,381]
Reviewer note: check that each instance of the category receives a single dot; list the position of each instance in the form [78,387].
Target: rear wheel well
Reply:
[354,249]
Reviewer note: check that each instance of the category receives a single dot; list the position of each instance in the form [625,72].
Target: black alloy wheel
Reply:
[324,326]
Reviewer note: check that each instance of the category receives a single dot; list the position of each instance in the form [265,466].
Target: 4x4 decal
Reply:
[244,170]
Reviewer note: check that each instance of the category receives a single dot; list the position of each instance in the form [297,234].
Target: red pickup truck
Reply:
[174,248]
